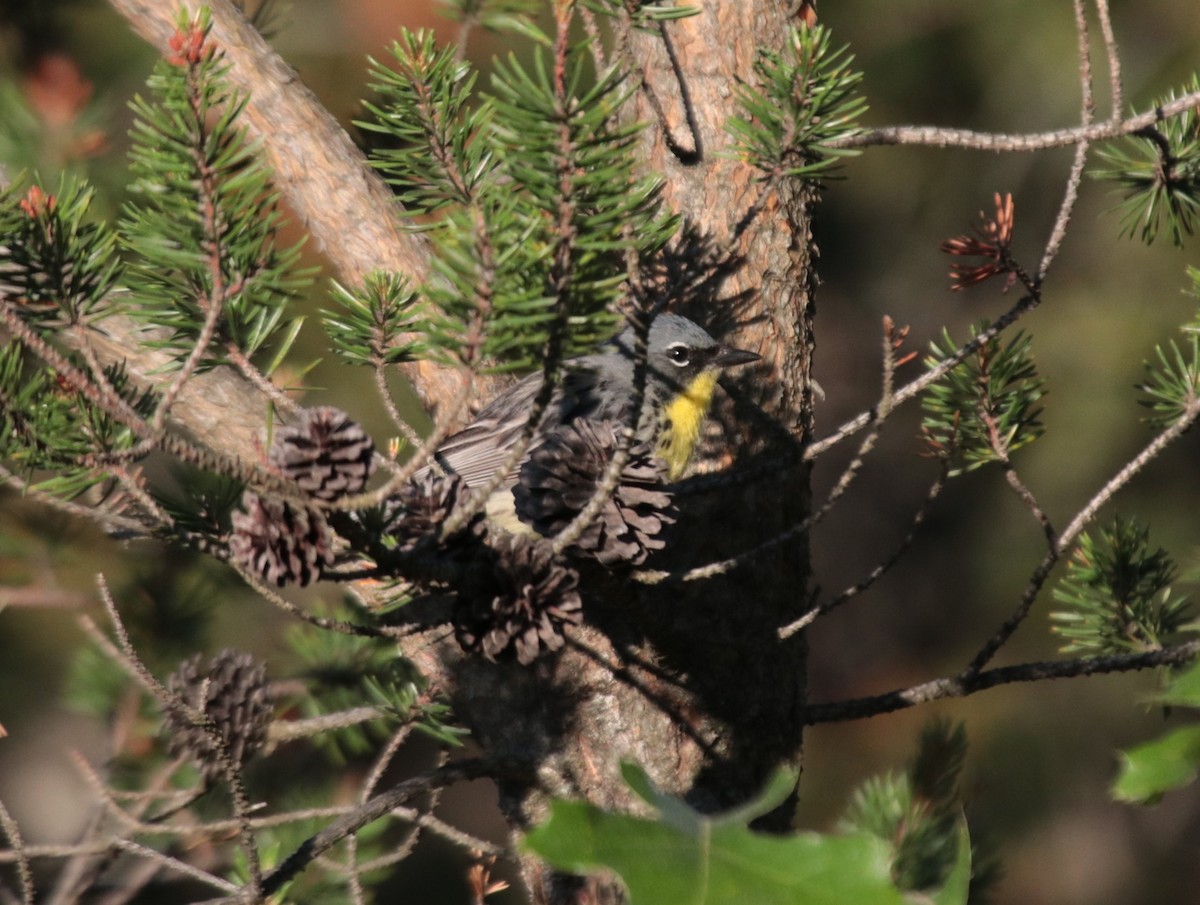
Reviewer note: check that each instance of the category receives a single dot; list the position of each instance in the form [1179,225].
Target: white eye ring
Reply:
[678,354]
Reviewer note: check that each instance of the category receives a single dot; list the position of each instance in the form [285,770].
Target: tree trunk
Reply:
[689,680]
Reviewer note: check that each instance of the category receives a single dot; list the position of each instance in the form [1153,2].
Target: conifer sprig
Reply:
[57,266]
[803,98]
[493,174]
[642,15]
[202,231]
[1117,594]
[1172,384]
[1157,172]
[52,433]
[370,323]
[986,408]
[919,812]
[434,119]
[494,15]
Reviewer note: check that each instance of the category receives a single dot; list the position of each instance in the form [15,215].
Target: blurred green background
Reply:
[1042,756]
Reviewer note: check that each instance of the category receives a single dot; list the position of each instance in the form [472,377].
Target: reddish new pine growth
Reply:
[895,337]
[37,203]
[992,240]
[189,47]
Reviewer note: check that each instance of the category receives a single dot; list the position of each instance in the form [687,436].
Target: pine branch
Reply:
[347,208]
[969,684]
[938,137]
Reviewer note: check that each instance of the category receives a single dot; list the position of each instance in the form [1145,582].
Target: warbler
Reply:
[682,365]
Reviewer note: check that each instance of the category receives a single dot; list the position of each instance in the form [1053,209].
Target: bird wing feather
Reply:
[476,451]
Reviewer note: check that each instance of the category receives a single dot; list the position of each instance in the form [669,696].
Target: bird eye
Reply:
[678,354]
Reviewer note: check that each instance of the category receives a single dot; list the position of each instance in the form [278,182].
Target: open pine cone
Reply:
[326,453]
[523,606]
[422,505]
[280,541]
[561,475]
[232,690]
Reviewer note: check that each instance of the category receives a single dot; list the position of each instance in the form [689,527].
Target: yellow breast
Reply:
[681,428]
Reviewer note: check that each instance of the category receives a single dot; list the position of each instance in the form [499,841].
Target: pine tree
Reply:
[634,677]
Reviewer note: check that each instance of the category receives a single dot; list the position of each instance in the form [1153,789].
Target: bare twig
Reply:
[13,833]
[371,810]
[290,730]
[354,870]
[934,374]
[962,686]
[878,414]
[107,520]
[322,622]
[1114,59]
[280,399]
[1087,116]
[938,137]
[172,701]
[385,395]
[881,569]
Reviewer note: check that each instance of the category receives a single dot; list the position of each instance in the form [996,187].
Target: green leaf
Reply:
[1150,769]
[686,857]
[1184,688]
[958,885]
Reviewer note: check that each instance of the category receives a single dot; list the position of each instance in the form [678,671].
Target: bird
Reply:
[683,363]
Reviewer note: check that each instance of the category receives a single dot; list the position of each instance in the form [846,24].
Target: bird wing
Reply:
[480,448]
[476,451]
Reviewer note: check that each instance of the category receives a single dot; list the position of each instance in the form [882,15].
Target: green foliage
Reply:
[201,502]
[347,671]
[529,193]
[804,98]
[439,158]
[986,408]
[46,425]
[56,267]
[1170,762]
[574,163]
[1173,384]
[1117,593]
[643,16]
[374,323]
[495,15]
[919,812]
[202,229]
[1157,171]
[682,856]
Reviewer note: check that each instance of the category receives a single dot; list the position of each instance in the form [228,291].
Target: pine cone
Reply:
[420,508]
[280,541]
[523,606]
[561,475]
[233,692]
[327,454]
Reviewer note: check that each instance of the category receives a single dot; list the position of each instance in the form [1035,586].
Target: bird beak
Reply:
[727,357]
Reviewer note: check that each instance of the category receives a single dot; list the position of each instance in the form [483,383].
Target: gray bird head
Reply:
[678,350]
